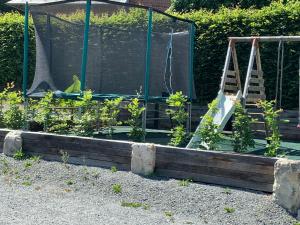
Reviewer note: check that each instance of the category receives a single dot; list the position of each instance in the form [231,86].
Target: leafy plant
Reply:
[64,157]
[85,123]
[135,205]
[169,214]
[70,182]
[209,131]
[5,166]
[184,183]
[13,117]
[109,113]
[27,164]
[229,210]
[242,134]
[135,110]
[271,117]
[19,155]
[113,169]
[178,114]
[227,191]
[117,188]
[27,183]
[43,110]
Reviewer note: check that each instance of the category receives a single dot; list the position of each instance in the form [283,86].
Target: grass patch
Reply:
[169,214]
[227,191]
[117,188]
[229,210]
[19,155]
[70,182]
[113,169]
[185,183]
[27,164]
[135,205]
[27,183]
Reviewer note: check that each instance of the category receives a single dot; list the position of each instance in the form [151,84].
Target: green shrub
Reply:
[136,111]
[188,5]
[242,134]
[209,131]
[271,117]
[178,114]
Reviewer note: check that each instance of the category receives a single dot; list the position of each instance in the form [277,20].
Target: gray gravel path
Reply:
[51,193]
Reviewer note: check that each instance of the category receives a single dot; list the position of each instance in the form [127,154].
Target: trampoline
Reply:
[149,57]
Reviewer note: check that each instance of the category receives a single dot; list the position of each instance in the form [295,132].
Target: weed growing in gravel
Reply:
[19,155]
[35,158]
[227,191]
[229,210]
[27,164]
[184,183]
[27,183]
[135,205]
[132,204]
[296,223]
[168,214]
[64,157]
[113,169]
[70,182]
[117,188]
[5,166]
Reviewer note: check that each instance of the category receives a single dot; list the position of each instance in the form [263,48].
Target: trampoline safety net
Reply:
[118,47]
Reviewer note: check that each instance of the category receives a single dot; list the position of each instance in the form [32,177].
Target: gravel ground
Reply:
[40,192]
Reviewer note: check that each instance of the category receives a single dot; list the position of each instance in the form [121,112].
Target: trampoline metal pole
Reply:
[191,65]
[26,43]
[25,63]
[147,69]
[85,45]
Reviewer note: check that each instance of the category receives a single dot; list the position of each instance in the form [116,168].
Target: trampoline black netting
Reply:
[118,47]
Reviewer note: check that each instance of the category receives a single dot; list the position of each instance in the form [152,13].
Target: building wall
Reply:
[158,4]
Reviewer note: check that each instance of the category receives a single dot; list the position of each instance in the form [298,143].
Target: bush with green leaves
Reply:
[242,134]
[188,5]
[136,110]
[85,123]
[209,132]
[12,112]
[109,113]
[178,114]
[271,118]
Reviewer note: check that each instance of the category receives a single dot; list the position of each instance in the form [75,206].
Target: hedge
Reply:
[211,44]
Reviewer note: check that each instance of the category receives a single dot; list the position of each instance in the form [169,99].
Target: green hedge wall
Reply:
[11,48]
[211,44]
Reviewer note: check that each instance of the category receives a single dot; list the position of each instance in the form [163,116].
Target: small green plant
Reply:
[185,183]
[227,191]
[27,164]
[169,214]
[43,110]
[136,111]
[271,117]
[13,117]
[27,183]
[229,210]
[113,169]
[242,134]
[64,157]
[5,166]
[85,123]
[209,131]
[135,205]
[35,158]
[19,155]
[70,182]
[117,188]
[109,113]
[178,114]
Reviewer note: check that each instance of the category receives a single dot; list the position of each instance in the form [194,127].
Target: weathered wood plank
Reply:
[214,159]
[266,187]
